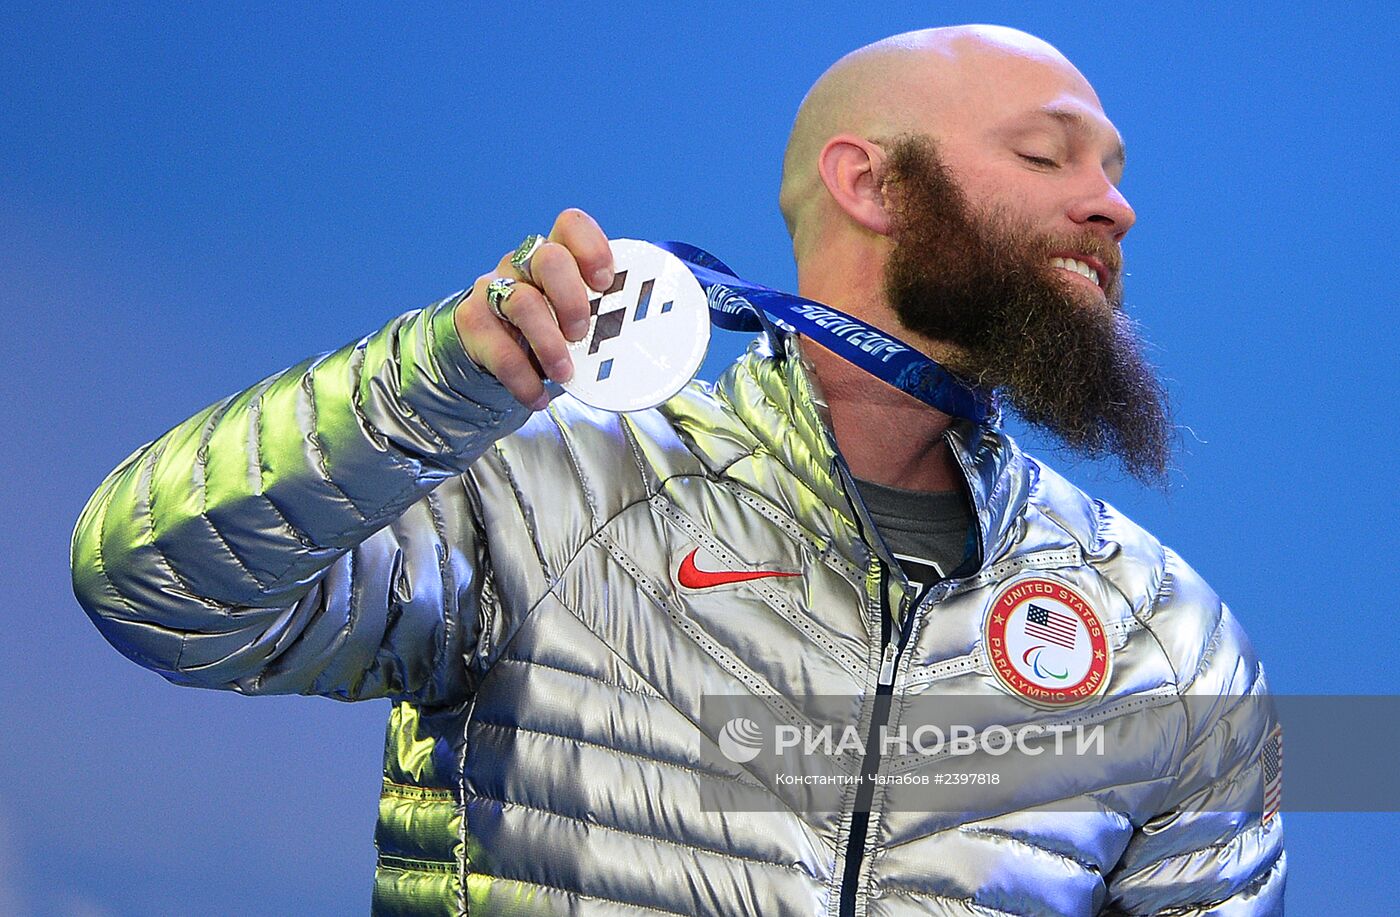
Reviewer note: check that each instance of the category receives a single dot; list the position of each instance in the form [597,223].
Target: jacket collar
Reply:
[775,393]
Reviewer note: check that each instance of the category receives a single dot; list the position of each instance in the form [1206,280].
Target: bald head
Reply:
[933,81]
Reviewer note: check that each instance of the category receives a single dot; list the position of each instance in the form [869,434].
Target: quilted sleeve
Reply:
[313,534]
[1216,848]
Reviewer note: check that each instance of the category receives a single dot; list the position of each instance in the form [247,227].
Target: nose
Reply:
[1105,208]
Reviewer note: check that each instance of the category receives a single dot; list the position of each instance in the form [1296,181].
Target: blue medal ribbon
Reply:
[740,305]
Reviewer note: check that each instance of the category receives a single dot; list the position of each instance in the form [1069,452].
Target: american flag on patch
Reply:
[1045,624]
[1273,773]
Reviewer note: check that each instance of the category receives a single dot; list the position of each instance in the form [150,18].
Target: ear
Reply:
[850,167]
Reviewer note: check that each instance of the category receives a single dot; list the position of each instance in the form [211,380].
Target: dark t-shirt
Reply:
[930,534]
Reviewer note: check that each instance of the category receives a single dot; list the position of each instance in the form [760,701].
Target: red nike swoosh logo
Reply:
[692,577]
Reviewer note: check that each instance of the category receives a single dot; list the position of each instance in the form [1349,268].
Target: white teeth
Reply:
[1079,267]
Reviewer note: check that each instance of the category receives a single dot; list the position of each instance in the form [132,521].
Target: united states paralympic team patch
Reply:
[1046,643]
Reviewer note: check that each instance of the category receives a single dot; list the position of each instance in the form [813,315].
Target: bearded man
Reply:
[553,596]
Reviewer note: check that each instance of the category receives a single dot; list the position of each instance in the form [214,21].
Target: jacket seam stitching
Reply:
[579,894]
[1146,619]
[1108,711]
[583,483]
[1015,839]
[307,383]
[656,839]
[355,364]
[967,900]
[594,678]
[996,571]
[303,538]
[384,439]
[255,419]
[619,751]
[487,602]
[1085,547]
[357,361]
[411,791]
[423,318]
[634,447]
[722,471]
[814,542]
[1086,794]
[451,611]
[459,805]
[1208,655]
[1182,909]
[549,592]
[202,463]
[257,581]
[416,864]
[101,564]
[777,410]
[526,517]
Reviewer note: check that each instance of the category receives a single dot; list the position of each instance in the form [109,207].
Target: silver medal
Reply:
[647,333]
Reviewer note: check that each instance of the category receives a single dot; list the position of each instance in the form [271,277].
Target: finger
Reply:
[499,348]
[527,309]
[581,235]
[557,274]
[504,355]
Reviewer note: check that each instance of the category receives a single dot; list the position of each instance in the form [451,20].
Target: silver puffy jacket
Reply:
[386,521]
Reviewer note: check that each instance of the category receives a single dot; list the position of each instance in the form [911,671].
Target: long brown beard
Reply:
[984,284]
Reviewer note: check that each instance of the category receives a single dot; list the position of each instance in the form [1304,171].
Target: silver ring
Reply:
[520,258]
[497,292]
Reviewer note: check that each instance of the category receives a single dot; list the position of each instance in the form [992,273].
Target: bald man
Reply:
[566,607]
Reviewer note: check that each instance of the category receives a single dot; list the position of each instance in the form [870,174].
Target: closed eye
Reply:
[1039,160]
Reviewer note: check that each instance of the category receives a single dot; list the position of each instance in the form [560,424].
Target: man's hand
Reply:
[531,345]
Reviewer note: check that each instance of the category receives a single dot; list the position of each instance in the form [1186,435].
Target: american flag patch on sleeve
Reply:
[1273,773]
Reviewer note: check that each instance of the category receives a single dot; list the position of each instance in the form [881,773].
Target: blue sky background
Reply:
[194,196]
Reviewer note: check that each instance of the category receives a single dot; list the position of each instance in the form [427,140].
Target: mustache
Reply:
[1092,244]
[1085,242]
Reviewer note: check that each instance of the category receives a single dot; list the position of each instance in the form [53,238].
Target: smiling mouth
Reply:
[1075,266]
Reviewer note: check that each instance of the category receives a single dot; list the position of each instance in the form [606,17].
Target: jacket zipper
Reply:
[870,763]
[884,687]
